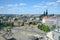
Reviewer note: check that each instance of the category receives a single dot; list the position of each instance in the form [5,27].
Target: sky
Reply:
[29,6]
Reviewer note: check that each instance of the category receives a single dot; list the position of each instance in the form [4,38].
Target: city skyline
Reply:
[29,6]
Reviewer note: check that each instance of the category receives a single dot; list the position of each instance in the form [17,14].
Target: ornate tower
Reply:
[46,12]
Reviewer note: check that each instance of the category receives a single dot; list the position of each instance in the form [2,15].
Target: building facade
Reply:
[50,21]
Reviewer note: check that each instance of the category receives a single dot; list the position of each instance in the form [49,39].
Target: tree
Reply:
[30,23]
[43,27]
[12,24]
[34,23]
[22,24]
[0,22]
[6,24]
[53,27]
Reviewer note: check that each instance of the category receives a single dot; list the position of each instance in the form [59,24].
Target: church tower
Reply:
[46,12]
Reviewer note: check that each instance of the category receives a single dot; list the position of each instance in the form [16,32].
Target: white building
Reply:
[50,20]
[54,34]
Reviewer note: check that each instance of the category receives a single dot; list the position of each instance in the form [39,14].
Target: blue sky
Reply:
[29,6]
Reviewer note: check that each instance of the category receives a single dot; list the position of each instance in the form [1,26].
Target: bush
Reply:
[33,23]
[6,24]
[43,27]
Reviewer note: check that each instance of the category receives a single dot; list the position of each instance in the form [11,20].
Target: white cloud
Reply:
[52,3]
[15,4]
[58,0]
[12,5]
[1,7]
[39,6]
[23,4]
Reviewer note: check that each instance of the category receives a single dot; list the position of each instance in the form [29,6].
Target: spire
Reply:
[46,13]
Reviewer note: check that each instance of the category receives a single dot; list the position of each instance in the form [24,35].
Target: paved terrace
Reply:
[21,33]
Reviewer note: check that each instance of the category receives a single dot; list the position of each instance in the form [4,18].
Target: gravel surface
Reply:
[20,33]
